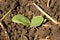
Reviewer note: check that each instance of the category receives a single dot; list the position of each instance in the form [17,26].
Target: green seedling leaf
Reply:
[36,21]
[21,19]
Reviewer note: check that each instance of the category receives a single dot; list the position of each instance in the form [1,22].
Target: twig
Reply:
[38,1]
[8,11]
[48,2]
[6,34]
[52,3]
[5,15]
[47,38]
[46,14]
[36,37]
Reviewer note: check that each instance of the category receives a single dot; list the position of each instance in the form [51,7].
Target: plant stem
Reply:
[46,14]
[6,34]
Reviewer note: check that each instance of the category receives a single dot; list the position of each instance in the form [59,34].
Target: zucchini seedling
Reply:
[35,22]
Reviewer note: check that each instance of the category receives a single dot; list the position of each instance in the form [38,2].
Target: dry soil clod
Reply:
[58,23]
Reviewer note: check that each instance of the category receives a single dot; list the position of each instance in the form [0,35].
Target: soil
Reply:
[48,30]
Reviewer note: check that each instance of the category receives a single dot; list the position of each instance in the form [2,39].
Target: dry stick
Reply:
[0,0]
[6,34]
[38,0]
[5,15]
[48,1]
[8,11]
[46,14]
[36,37]
[52,3]
[47,38]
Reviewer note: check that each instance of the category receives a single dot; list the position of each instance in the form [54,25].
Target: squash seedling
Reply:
[35,22]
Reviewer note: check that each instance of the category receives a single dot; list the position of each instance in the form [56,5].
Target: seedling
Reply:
[35,22]
[21,19]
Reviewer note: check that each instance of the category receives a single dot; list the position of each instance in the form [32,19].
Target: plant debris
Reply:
[58,23]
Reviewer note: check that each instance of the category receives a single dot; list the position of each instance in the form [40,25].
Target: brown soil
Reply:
[26,8]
